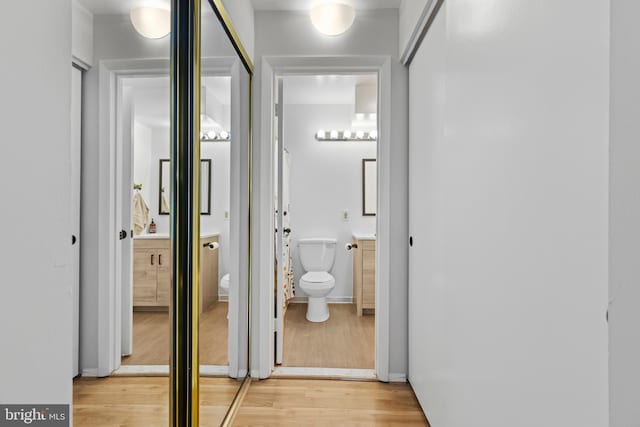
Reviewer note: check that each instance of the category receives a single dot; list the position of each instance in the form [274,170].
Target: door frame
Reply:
[110,296]
[273,66]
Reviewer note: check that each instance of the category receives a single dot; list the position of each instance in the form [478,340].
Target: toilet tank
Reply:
[317,254]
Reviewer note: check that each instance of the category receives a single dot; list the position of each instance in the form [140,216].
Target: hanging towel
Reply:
[165,205]
[140,213]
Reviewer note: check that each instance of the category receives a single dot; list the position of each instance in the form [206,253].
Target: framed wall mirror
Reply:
[369,187]
[164,187]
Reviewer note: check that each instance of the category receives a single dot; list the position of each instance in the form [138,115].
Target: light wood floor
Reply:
[143,402]
[151,337]
[329,403]
[343,341]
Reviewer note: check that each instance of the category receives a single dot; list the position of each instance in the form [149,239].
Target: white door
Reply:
[280,259]
[76,162]
[426,107]
[124,206]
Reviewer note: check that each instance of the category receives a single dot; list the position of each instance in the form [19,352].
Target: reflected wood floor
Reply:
[343,341]
[152,336]
[280,402]
[143,402]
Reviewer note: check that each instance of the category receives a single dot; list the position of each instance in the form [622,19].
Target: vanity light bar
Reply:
[346,135]
[212,136]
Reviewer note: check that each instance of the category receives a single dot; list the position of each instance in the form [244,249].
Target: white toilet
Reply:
[317,256]
[224,285]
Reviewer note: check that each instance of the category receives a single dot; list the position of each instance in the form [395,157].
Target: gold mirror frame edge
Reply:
[226,22]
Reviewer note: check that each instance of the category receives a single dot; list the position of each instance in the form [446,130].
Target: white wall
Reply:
[326,179]
[142,140]
[624,273]
[35,295]
[517,214]
[374,32]
[242,16]
[82,35]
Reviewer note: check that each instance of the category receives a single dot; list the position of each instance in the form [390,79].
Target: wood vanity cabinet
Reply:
[152,273]
[364,275]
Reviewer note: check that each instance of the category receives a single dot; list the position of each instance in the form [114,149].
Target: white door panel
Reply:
[76,162]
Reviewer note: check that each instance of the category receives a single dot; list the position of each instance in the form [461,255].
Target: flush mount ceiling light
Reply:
[151,22]
[332,19]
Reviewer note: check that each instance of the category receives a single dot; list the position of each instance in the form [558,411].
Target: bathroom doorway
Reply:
[325,132]
[145,261]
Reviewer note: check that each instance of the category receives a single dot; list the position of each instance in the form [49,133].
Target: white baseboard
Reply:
[324,373]
[223,298]
[330,300]
[93,372]
[163,370]
[397,378]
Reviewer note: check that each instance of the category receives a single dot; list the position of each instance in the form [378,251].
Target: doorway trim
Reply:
[110,108]
[273,66]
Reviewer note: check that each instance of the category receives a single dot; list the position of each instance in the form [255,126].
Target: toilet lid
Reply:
[317,277]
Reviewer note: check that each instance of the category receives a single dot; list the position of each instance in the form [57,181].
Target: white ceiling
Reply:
[307,4]
[117,7]
[324,89]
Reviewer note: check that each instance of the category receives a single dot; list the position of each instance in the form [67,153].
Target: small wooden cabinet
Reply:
[364,274]
[152,273]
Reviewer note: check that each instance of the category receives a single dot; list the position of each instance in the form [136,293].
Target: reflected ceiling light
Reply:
[321,134]
[224,134]
[360,134]
[334,134]
[347,134]
[373,134]
[332,19]
[151,22]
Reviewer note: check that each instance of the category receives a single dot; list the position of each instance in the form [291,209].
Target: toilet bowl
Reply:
[317,257]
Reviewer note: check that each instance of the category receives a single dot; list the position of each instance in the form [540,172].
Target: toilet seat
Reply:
[317,277]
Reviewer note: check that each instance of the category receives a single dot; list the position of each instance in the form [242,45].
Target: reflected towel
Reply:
[140,213]
[165,205]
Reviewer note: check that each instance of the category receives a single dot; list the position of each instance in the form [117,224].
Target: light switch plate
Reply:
[345,215]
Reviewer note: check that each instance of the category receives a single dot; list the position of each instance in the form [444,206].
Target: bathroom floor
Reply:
[343,341]
[151,337]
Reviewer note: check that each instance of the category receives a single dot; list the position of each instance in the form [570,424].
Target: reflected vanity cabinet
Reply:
[152,272]
[364,273]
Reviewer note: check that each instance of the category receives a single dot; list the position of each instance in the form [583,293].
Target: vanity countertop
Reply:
[364,236]
[148,236]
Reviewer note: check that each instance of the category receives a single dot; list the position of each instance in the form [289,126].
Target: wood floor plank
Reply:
[151,337]
[343,341]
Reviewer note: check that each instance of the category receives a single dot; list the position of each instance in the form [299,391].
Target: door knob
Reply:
[74,239]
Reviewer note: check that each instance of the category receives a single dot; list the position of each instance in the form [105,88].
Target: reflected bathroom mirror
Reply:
[164,187]
[369,187]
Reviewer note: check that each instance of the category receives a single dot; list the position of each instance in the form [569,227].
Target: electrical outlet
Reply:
[345,215]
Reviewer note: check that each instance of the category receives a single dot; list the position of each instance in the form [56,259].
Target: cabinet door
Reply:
[164,277]
[368,278]
[144,277]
